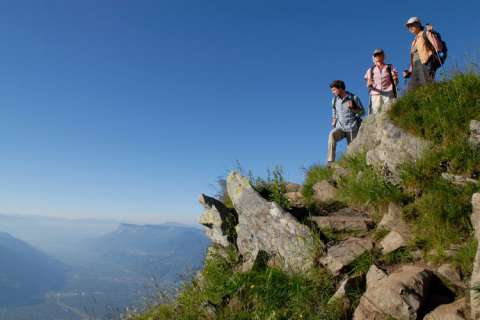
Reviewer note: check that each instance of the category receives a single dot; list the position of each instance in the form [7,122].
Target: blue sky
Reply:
[130,109]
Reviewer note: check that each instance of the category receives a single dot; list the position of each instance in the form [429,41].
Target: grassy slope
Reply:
[437,211]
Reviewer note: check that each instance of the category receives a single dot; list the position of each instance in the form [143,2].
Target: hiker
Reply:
[346,119]
[382,80]
[425,54]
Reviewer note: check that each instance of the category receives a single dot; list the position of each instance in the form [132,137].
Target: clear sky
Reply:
[131,109]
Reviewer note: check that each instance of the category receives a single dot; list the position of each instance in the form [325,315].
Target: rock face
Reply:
[475,279]
[344,220]
[264,226]
[403,295]
[344,253]
[475,132]
[219,221]
[386,145]
[452,311]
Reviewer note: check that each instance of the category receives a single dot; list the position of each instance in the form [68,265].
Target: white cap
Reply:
[413,20]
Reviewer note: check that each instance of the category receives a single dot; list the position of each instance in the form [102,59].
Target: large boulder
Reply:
[406,294]
[475,279]
[264,227]
[342,254]
[386,145]
[219,221]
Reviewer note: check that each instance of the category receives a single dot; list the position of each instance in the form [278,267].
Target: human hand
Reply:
[334,122]
[406,74]
[369,83]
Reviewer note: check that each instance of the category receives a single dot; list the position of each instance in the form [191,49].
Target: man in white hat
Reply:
[424,46]
[382,80]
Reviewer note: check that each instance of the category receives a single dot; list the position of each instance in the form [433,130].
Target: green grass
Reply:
[262,293]
[465,256]
[440,112]
[363,186]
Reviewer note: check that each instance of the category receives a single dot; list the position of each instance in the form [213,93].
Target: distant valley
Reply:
[88,269]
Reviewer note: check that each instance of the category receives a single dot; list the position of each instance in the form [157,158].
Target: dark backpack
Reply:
[439,56]
[389,71]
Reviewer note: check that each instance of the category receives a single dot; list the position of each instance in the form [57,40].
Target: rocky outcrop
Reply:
[386,145]
[475,279]
[475,132]
[345,219]
[219,221]
[406,294]
[453,311]
[341,255]
[264,227]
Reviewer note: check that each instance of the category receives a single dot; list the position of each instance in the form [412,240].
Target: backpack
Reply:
[439,56]
[389,71]
[358,117]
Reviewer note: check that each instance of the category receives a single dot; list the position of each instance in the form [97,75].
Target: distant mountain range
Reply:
[26,273]
[104,265]
[160,251]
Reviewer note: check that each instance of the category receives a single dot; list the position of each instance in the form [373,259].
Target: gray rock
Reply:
[451,275]
[393,221]
[219,221]
[344,253]
[458,180]
[341,293]
[264,226]
[386,145]
[344,220]
[295,198]
[399,295]
[474,132]
[338,171]
[475,279]
[392,242]
[374,276]
[324,192]
[292,187]
[452,311]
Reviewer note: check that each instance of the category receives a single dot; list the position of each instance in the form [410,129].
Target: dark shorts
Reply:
[421,74]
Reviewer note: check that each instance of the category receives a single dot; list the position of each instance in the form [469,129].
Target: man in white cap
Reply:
[422,54]
[382,80]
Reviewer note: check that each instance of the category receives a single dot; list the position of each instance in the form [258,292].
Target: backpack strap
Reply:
[394,85]
[372,68]
[430,46]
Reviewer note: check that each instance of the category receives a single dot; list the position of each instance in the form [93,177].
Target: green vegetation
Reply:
[272,188]
[263,293]
[464,257]
[363,186]
[440,112]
